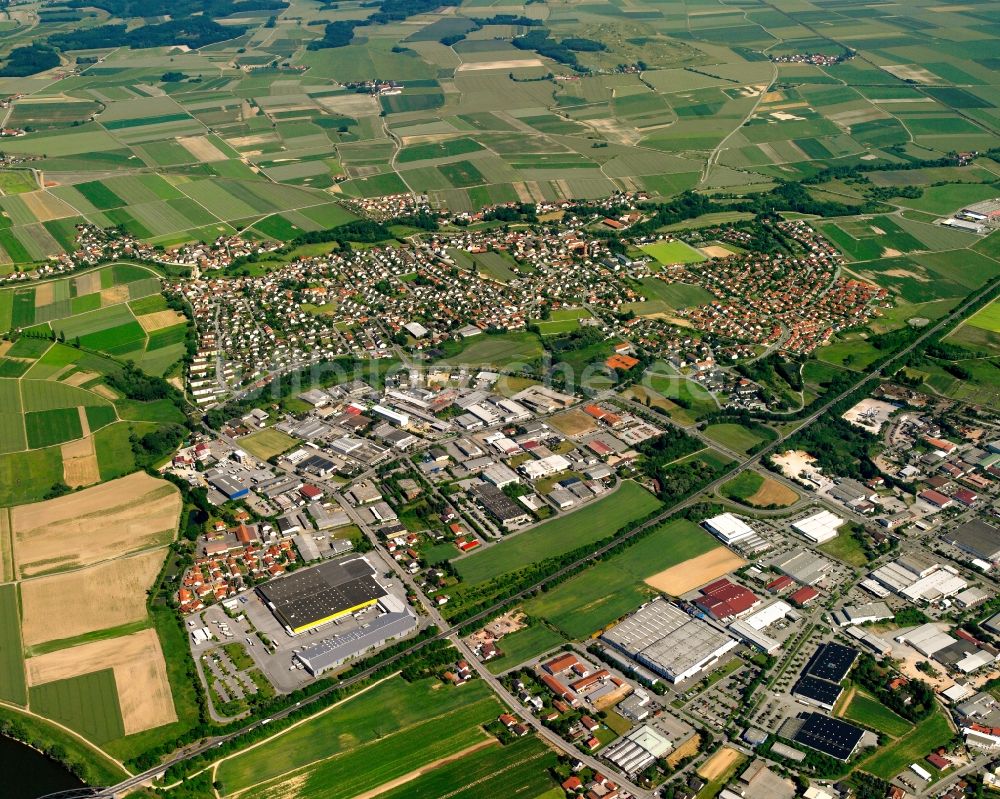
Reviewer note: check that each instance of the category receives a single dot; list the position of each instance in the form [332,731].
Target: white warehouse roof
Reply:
[728,528]
[820,527]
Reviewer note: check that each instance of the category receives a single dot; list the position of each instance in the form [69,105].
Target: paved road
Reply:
[449,633]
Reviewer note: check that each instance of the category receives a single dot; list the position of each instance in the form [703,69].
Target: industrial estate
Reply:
[572,398]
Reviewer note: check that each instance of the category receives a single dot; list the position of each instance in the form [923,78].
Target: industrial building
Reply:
[668,641]
[830,736]
[919,580]
[337,650]
[750,629]
[728,529]
[316,596]
[977,538]
[724,599]
[802,565]
[861,614]
[820,527]
[638,749]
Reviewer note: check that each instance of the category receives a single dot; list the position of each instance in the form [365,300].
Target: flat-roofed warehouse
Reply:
[976,537]
[830,736]
[667,640]
[312,597]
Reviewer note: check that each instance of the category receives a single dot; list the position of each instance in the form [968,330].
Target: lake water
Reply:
[28,774]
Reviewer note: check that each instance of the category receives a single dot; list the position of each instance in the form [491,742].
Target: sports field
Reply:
[598,596]
[379,735]
[594,521]
[673,252]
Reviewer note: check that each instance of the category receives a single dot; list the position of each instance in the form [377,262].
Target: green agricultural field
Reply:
[986,319]
[12,684]
[736,437]
[673,252]
[267,443]
[612,588]
[29,476]
[418,722]
[931,733]
[870,712]
[45,428]
[498,350]
[565,533]
[495,772]
[519,646]
[48,395]
[87,704]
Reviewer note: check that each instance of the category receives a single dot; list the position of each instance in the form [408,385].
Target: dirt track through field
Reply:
[696,572]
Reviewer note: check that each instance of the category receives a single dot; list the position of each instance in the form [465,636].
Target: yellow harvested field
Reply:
[107,521]
[80,466]
[201,148]
[160,320]
[45,293]
[696,572]
[773,493]
[687,749]
[140,675]
[4,346]
[719,763]
[79,378]
[115,295]
[106,392]
[510,63]
[86,600]
[573,423]
[715,251]
[45,207]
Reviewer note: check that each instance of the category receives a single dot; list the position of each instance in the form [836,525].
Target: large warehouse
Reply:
[667,640]
[312,597]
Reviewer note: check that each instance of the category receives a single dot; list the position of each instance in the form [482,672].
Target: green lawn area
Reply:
[673,252]
[735,436]
[385,732]
[845,547]
[527,643]
[596,520]
[267,443]
[743,486]
[855,354]
[931,733]
[608,590]
[866,710]
[505,348]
